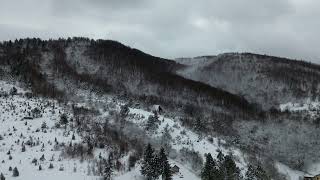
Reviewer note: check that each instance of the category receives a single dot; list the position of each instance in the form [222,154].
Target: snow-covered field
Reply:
[21,125]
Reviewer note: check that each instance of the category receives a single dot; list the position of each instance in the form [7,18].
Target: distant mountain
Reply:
[264,80]
[61,67]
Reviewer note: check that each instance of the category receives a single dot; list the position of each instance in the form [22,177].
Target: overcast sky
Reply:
[174,28]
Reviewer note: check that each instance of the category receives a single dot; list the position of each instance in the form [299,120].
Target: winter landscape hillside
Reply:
[79,108]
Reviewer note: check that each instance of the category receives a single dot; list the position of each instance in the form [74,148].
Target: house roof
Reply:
[175,166]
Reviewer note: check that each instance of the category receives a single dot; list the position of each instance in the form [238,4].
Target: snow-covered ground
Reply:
[288,172]
[20,123]
[185,138]
[184,174]
[18,128]
[311,107]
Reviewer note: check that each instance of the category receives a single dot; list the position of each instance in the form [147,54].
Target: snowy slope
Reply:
[185,138]
[17,127]
[16,130]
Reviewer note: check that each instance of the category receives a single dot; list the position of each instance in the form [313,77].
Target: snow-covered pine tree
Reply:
[64,120]
[208,169]
[250,174]
[107,171]
[231,171]
[256,173]
[132,161]
[261,173]
[220,157]
[148,164]
[2,177]
[43,125]
[50,166]
[23,149]
[152,122]
[165,169]
[166,138]
[15,172]
[124,111]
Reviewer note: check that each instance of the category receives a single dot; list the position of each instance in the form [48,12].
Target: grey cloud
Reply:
[176,28]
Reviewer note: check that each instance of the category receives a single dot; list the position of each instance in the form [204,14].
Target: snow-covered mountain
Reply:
[32,139]
[88,109]
[265,80]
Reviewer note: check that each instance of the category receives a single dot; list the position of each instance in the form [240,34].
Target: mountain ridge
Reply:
[253,71]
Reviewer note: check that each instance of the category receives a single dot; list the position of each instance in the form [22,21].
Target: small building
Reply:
[27,118]
[156,109]
[175,169]
[316,177]
[308,177]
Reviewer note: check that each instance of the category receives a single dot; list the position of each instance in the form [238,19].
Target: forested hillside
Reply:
[265,80]
[58,68]
[244,105]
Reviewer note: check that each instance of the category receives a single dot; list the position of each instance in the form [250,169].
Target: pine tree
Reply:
[165,169]
[132,161]
[210,171]
[44,125]
[23,149]
[256,173]
[2,177]
[107,171]
[64,120]
[166,138]
[161,158]
[152,122]
[50,166]
[15,172]
[42,158]
[261,174]
[124,111]
[220,157]
[231,171]
[167,173]
[148,164]
[250,174]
